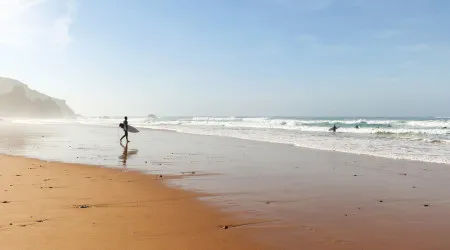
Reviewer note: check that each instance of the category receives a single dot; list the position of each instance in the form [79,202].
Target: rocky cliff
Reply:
[17,99]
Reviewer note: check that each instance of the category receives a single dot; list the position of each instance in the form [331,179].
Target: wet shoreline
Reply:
[357,201]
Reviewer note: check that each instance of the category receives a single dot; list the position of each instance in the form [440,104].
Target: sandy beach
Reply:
[271,195]
[61,206]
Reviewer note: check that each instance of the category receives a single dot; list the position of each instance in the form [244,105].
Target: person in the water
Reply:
[357,126]
[334,128]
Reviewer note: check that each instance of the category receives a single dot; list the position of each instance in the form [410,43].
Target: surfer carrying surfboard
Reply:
[124,126]
[334,128]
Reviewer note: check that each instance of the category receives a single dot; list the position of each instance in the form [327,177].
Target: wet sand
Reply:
[60,206]
[307,198]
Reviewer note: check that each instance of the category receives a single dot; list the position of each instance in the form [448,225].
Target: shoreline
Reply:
[283,196]
[291,144]
[48,205]
[300,146]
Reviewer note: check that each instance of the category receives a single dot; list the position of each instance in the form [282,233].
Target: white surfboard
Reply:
[132,129]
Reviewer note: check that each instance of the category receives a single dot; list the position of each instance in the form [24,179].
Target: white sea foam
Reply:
[414,139]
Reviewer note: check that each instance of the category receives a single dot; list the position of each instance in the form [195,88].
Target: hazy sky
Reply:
[232,57]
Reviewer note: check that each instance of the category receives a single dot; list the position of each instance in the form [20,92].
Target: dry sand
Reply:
[40,209]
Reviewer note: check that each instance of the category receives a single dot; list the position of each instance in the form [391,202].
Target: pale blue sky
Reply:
[233,57]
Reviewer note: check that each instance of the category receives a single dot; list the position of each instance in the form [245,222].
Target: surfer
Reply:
[124,126]
[357,126]
[334,128]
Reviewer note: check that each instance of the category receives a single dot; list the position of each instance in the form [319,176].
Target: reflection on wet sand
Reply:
[126,154]
[13,138]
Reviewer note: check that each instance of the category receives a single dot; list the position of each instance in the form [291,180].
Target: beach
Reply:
[278,196]
[61,206]
[246,125]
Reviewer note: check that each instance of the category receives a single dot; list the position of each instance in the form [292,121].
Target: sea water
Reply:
[419,139]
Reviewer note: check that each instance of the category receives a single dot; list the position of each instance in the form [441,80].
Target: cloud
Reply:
[385,34]
[11,8]
[60,32]
[29,23]
[29,3]
[416,47]
[17,26]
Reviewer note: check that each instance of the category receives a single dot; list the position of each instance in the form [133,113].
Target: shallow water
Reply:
[420,139]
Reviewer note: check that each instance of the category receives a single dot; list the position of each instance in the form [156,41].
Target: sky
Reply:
[232,57]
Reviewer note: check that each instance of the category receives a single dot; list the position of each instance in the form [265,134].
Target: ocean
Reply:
[417,139]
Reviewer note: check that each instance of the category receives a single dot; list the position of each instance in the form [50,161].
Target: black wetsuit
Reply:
[125,129]
[334,128]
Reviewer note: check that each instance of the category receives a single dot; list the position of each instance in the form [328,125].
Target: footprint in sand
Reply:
[82,206]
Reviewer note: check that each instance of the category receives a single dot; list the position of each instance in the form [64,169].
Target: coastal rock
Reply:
[17,99]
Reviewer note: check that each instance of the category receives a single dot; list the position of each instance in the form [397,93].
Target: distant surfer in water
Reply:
[334,128]
[124,126]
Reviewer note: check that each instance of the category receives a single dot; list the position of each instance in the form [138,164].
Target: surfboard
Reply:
[131,129]
[331,129]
